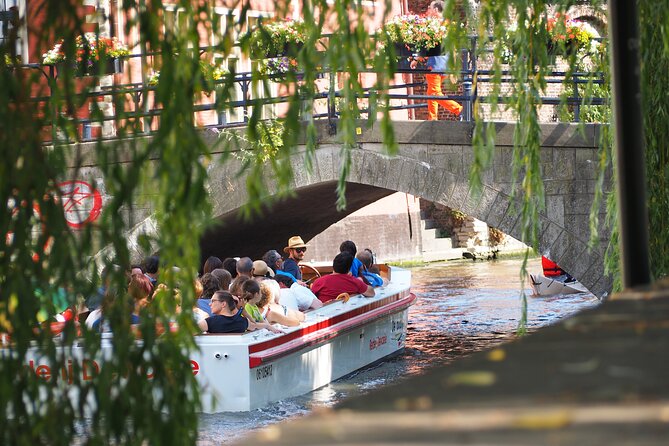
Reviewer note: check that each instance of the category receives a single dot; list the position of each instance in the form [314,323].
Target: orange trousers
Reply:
[434,82]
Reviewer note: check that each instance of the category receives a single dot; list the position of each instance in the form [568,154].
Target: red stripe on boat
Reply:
[326,330]
[264,345]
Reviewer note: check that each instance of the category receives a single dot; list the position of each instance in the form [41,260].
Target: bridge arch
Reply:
[433,163]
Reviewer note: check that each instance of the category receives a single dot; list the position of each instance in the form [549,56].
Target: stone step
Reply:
[428,223]
[437,244]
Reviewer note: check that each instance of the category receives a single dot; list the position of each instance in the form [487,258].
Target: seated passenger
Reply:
[367,260]
[251,297]
[356,266]
[211,264]
[226,318]
[224,278]
[296,296]
[340,281]
[139,290]
[263,274]
[277,313]
[295,250]
[230,265]
[210,285]
[237,284]
[244,267]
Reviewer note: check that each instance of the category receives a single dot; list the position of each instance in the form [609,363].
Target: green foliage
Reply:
[156,203]
[654,17]
[532,42]
[270,39]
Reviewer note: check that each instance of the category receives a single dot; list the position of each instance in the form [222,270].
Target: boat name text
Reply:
[377,342]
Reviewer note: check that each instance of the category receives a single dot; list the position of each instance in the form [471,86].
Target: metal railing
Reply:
[138,92]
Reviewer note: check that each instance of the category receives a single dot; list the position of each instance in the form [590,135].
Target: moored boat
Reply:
[551,286]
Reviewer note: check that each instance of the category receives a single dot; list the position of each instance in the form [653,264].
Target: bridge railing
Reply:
[210,113]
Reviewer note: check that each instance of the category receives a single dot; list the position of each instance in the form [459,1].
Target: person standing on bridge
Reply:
[438,65]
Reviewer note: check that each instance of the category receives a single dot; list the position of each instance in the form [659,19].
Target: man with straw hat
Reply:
[295,250]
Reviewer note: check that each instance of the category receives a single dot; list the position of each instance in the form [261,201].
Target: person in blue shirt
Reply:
[295,250]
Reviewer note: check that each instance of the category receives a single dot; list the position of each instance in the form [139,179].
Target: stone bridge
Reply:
[433,163]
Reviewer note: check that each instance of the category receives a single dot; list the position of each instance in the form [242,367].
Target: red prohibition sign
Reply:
[82,203]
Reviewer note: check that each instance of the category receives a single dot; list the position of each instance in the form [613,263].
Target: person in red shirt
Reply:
[340,281]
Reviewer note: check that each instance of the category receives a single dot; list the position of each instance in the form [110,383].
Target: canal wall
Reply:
[402,227]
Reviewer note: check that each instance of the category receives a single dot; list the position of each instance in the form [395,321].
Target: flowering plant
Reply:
[416,32]
[273,38]
[568,34]
[89,48]
[210,73]
[277,65]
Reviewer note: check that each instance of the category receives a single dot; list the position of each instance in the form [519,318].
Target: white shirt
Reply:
[304,296]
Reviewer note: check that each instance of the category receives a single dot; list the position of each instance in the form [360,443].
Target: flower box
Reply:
[277,39]
[93,67]
[404,50]
[419,35]
[93,55]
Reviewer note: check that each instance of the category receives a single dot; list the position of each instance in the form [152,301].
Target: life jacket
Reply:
[551,269]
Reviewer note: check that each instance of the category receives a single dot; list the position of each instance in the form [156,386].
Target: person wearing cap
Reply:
[262,273]
[295,250]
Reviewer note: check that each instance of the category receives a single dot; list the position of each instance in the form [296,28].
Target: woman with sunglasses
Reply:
[227,318]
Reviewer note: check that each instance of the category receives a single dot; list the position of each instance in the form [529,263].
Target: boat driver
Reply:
[295,250]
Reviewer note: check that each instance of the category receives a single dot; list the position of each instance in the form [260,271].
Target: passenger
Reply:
[224,278]
[210,285]
[198,313]
[230,264]
[251,296]
[263,274]
[136,269]
[211,264]
[226,318]
[373,279]
[340,281]
[94,301]
[373,268]
[276,313]
[151,265]
[236,286]
[274,260]
[140,290]
[356,266]
[244,267]
[295,250]
[296,296]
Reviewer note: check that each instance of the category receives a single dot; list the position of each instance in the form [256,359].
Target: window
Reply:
[11,12]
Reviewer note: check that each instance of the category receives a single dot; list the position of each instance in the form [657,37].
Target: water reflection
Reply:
[462,307]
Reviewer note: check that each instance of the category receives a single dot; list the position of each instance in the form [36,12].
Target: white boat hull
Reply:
[545,286]
[241,372]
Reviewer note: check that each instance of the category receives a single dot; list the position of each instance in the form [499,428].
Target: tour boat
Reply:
[333,341]
[264,367]
[547,286]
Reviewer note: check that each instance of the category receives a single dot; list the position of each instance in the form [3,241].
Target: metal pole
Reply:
[633,213]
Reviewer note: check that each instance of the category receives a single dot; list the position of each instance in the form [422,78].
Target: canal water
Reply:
[462,307]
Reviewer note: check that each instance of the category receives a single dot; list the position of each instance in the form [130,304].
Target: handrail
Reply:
[243,80]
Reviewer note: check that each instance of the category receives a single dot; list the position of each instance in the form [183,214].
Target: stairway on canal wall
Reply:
[405,228]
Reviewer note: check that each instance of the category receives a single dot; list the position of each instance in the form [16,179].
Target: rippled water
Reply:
[462,307]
